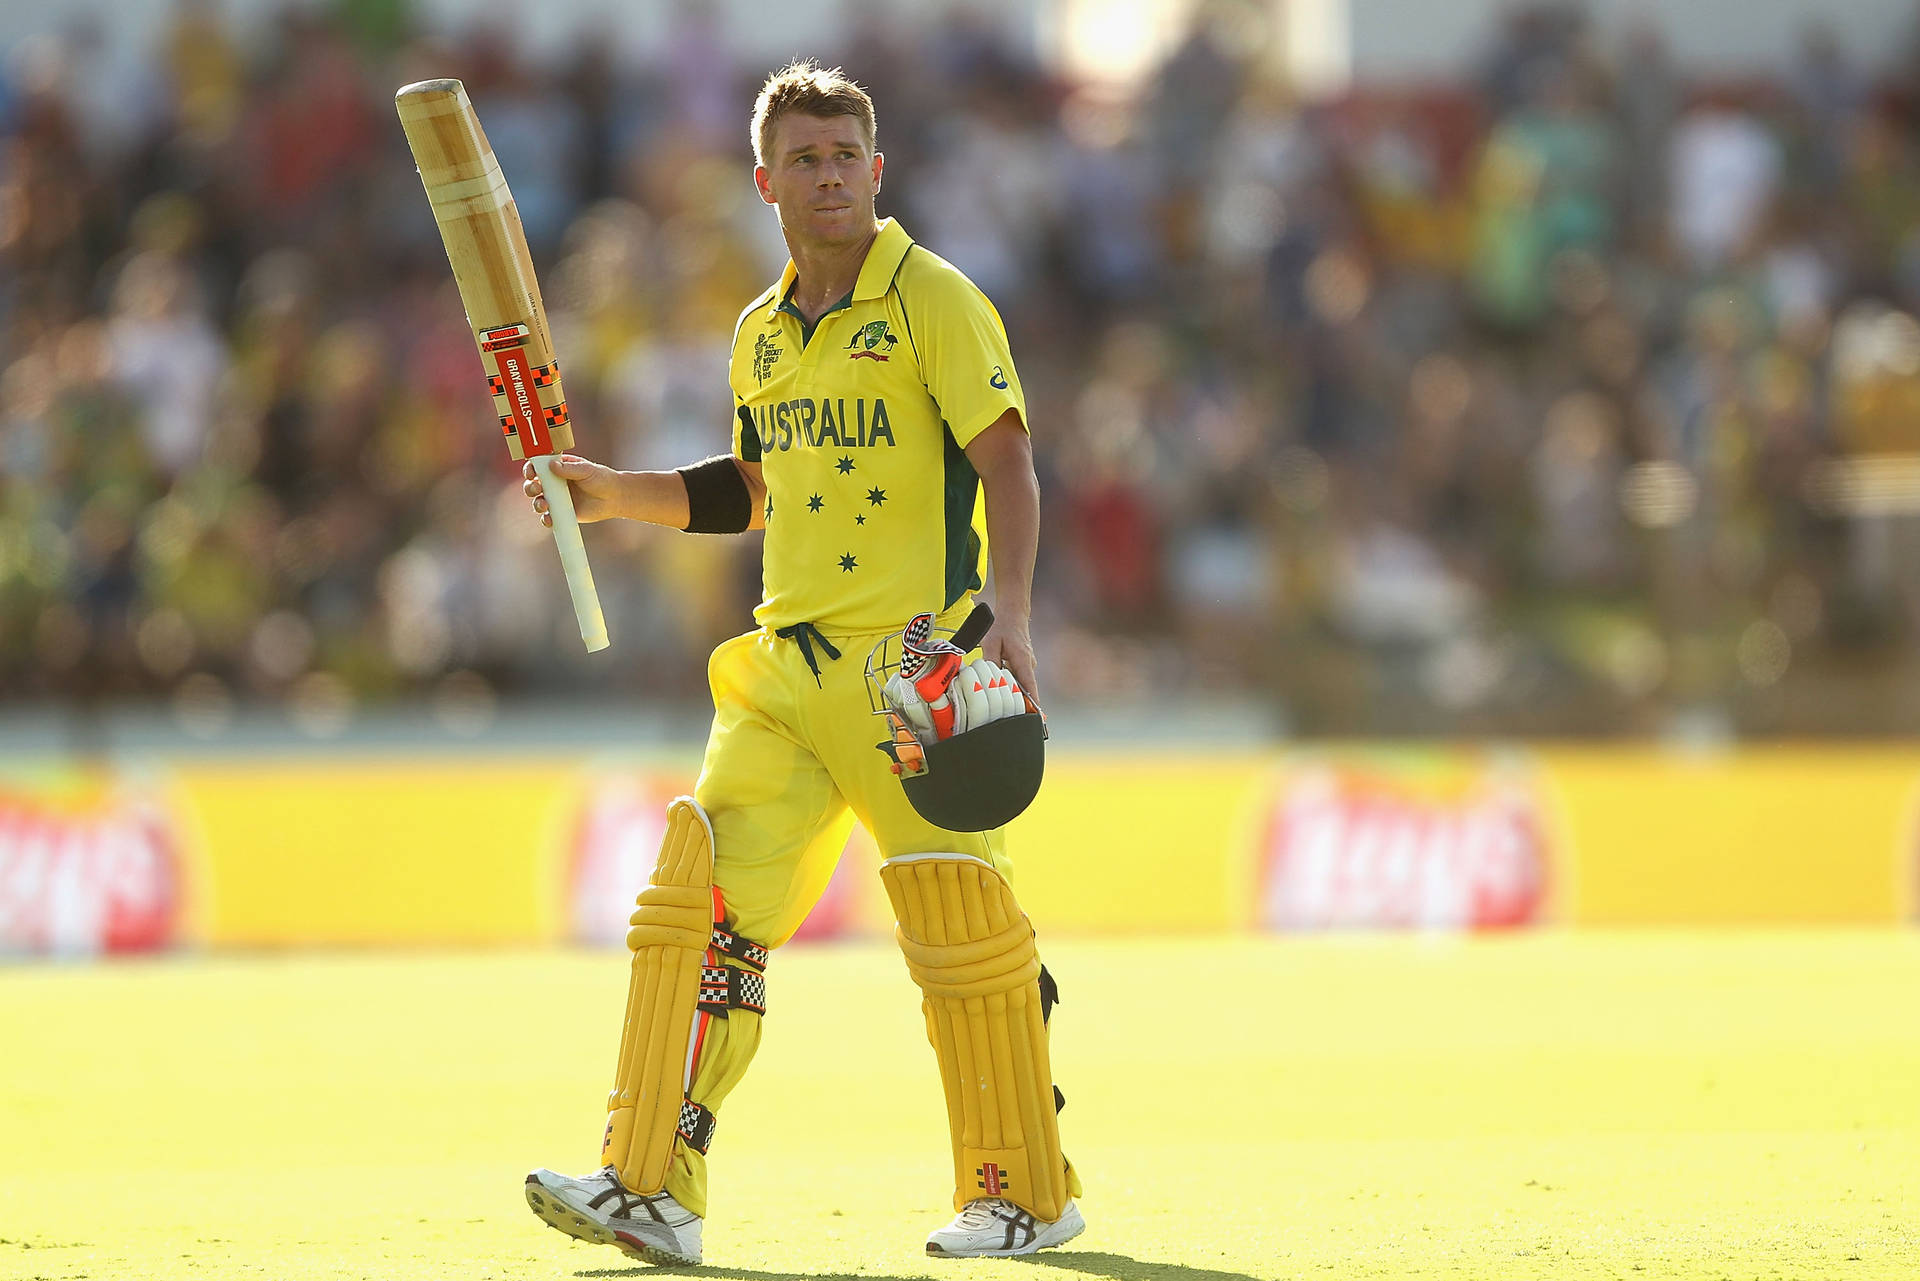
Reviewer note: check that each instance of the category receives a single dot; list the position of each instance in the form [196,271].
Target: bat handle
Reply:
[974,630]
[573,555]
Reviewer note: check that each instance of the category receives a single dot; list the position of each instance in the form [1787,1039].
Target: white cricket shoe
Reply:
[991,1226]
[597,1208]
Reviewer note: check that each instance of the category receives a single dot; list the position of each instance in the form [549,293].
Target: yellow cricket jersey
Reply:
[873,511]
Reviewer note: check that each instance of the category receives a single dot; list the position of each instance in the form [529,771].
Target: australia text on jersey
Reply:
[806,423]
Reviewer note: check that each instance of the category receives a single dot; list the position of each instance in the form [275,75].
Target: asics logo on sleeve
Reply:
[999,379]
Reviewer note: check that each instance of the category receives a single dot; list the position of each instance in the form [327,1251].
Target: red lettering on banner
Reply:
[616,841]
[523,405]
[1353,851]
[100,880]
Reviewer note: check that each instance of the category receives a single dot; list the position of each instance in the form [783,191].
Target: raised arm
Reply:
[656,497]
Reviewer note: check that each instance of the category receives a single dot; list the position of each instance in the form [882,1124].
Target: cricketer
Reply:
[880,439]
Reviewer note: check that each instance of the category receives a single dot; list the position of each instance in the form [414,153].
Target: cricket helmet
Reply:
[982,779]
[974,781]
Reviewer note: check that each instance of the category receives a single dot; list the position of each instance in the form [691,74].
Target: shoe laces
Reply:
[983,1213]
[609,1179]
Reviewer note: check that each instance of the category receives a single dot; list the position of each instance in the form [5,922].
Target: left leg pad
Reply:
[971,951]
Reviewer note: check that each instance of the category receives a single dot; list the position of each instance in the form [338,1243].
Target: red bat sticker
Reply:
[502,339]
[523,406]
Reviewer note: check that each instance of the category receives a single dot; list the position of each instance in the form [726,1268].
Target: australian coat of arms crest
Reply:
[872,341]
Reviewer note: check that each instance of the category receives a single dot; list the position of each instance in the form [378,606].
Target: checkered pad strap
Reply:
[696,1126]
[728,987]
[741,949]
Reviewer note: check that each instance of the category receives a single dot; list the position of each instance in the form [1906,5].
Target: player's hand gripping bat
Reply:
[480,227]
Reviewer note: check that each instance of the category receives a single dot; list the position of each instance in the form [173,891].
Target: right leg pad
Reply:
[680,980]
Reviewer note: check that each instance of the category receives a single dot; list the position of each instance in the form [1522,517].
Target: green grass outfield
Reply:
[1548,1105]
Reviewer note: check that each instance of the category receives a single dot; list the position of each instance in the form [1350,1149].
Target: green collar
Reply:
[808,326]
[884,256]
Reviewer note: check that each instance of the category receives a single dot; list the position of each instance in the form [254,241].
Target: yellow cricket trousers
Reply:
[791,762]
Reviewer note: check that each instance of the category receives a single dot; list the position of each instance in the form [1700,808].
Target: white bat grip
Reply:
[573,554]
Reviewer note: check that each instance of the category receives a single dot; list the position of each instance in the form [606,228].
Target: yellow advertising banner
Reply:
[357,851]
[1762,835]
[482,850]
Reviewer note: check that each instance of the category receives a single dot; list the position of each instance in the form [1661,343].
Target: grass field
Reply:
[1551,1105]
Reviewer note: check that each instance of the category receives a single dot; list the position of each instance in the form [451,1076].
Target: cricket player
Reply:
[880,439]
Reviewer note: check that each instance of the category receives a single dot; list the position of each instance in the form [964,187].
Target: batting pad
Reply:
[659,1042]
[971,950]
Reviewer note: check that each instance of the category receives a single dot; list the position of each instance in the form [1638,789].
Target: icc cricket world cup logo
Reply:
[765,352]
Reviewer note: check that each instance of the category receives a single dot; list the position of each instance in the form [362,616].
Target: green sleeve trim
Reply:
[749,437]
[962,488]
[906,317]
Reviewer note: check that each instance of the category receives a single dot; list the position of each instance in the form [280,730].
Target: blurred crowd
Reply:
[1573,395]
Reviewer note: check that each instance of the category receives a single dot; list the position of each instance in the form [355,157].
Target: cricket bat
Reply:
[480,226]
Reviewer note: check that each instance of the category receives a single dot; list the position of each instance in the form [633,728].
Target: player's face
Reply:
[822,176]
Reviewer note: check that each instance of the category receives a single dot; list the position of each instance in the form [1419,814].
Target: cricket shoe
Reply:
[992,1227]
[597,1208]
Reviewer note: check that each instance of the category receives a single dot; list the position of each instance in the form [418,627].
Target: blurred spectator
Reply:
[1564,397]
[168,357]
[1723,168]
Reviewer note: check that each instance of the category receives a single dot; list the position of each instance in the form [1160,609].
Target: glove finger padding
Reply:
[990,693]
[971,685]
[1004,694]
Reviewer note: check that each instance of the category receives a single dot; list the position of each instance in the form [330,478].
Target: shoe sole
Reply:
[562,1217]
[936,1252]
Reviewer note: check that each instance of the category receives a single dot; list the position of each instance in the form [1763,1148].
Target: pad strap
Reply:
[696,1126]
[728,987]
[740,948]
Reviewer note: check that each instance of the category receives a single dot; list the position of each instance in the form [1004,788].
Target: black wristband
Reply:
[718,501]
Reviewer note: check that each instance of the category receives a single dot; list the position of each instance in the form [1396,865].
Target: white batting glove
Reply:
[981,692]
[1007,698]
[969,700]
[906,700]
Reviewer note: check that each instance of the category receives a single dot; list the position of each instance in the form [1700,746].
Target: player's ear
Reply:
[879,163]
[761,184]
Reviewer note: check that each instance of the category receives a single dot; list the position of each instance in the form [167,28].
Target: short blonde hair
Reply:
[803,87]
